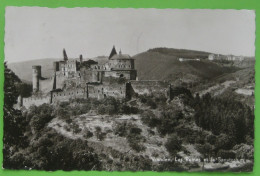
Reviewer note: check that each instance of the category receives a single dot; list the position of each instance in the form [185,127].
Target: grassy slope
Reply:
[158,66]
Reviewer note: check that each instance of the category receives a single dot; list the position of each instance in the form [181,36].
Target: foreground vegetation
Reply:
[215,127]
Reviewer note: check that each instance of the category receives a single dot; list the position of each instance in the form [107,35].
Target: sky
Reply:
[40,32]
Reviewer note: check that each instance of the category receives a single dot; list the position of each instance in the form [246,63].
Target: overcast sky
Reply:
[39,32]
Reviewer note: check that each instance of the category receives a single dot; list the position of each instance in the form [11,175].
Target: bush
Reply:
[135,142]
[211,139]
[121,129]
[135,131]
[150,119]
[87,134]
[225,154]
[169,120]
[151,103]
[129,109]
[75,128]
[224,142]
[173,144]
[41,115]
[99,134]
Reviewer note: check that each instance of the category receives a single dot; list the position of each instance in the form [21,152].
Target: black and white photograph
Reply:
[124,89]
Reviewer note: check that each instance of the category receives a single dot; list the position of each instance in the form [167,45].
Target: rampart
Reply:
[102,91]
[37,101]
[68,94]
[148,87]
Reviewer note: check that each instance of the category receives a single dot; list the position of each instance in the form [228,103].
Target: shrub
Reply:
[225,154]
[211,139]
[135,130]
[173,144]
[75,128]
[150,119]
[121,129]
[169,119]
[87,134]
[129,109]
[99,134]
[151,103]
[135,142]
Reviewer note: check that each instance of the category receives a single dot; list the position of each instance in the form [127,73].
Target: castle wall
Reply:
[149,87]
[128,74]
[46,85]
[60,81]
[86,75]
[68,94]
[37,101]
[102,91]
[122,64]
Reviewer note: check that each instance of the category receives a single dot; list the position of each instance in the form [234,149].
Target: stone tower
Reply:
[36,75]
[81,58]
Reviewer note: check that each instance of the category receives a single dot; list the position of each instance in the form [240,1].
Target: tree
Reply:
[173,145]
[14,123]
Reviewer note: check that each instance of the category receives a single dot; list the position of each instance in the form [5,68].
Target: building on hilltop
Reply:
[76,78]
[212,57]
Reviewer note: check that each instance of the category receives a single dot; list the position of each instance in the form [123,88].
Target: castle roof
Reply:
[121,56]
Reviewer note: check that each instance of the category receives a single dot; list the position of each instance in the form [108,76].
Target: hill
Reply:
[24,69]
[184,53]
[164,64]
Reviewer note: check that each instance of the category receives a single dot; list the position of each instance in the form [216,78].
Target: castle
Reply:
[75,78]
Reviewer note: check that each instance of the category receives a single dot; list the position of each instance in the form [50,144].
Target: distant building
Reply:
[212,57]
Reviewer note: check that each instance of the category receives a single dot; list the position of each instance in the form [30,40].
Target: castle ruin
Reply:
[75,78]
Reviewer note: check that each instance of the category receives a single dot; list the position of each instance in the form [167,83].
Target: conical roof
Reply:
[65,55]
[113,52]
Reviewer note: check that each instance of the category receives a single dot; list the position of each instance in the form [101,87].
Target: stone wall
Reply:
[120,73]
[101,91]
[68,94]
[46,85]
[149,87]
[37,101]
